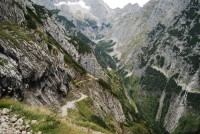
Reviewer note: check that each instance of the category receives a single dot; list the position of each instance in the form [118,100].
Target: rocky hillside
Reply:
[46,61]
[173,56]
[160,45]
[32,59]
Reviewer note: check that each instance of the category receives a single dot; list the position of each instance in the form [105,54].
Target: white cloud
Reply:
[81,3]
[122,3]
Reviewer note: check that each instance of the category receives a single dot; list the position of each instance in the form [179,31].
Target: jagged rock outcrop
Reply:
[106,102]
[13,123]
[29,72]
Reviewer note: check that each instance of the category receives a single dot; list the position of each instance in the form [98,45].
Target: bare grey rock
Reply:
[27,126]
[5,111]
[33,121]
[23,132]
[13,119]
[9,125]
[19,122]
[39,132]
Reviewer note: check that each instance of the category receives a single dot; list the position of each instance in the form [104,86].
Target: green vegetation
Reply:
[92,23]
[193,39]
[55,11]
[85,116]
[176,33]
[47,122]
[139,129]
[176,49]
[153,80]
[160,60]
[118,89]
[31,23]
[16,29]
[81,46]
[193,60]
[71,62]
[88,23]
[92,126]
[34,16]
[3,62]
[104,84]
[85,110]
[191,13]
[68,24]
[102,50]
[12,32]
[8,36]
[152,48]
[41,11]
[171,85]
[148,107]
[133,87]
[166,104]
[194,101]
[143,60]
[189,124]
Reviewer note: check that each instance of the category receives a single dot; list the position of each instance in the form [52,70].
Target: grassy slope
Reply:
[47,122]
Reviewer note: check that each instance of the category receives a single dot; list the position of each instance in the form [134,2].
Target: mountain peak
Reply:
[130,5]
[131,8]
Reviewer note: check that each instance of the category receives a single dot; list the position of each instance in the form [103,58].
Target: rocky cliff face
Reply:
[165,54]
[29,69]
[176,55]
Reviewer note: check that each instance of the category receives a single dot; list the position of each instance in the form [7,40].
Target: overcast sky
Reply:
[122,3]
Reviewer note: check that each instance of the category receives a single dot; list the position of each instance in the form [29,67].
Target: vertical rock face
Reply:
[14,14]
[32,69]
[28,71]
[159,112]
[175,112]
[172,49]
[105,101]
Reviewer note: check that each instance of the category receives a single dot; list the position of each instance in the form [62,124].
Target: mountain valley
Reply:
[78,66]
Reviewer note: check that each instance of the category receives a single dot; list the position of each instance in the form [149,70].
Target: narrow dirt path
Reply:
[71,105]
